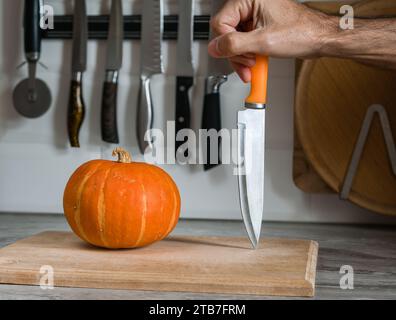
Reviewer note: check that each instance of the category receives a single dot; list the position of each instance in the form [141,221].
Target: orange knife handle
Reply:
[258,91]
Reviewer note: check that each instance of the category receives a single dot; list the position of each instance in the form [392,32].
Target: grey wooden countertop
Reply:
[370,250]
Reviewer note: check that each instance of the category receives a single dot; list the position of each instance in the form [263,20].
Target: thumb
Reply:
[234,44]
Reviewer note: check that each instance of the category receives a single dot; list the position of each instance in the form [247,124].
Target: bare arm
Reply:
[285,28]
[372,41]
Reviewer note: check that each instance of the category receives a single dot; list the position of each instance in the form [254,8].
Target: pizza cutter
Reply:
[32,97]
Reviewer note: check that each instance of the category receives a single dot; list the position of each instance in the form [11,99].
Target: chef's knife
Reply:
[151,64]
[76,109]
[185,69]
[218,71]
[113,65]
[251,151]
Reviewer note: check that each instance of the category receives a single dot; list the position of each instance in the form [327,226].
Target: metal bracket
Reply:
[364,132]
[98,27]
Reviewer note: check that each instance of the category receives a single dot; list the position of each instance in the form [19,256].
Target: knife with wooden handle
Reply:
[76,109]
[32,97]
[251,151]
[151,64]
[113,65]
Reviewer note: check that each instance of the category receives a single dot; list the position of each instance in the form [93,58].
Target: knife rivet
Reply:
[182,88]
[181,119]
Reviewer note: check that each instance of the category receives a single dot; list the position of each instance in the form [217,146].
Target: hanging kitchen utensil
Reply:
[218,71]
[251,151]
[151,64]
[185,68]
[76,110]
[113,65]
[32,97]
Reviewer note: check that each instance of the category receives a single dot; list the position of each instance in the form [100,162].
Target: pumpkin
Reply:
[121,204]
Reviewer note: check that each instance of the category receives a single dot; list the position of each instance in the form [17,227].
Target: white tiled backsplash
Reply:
[36,161]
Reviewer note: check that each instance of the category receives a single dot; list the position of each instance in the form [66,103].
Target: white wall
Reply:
[35,160]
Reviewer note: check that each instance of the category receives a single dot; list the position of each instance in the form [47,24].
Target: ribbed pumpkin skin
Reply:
[121,205]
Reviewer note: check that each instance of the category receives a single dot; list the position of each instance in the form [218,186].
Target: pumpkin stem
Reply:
[123,155]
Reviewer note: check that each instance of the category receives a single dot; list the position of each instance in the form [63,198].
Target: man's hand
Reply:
[287,29]
[279,28]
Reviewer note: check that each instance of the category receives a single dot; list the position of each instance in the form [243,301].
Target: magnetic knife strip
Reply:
[98,27]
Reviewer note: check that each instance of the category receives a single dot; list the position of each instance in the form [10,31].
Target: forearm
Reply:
[371,41]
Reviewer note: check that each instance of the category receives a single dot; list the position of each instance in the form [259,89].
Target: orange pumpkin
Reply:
[121,204]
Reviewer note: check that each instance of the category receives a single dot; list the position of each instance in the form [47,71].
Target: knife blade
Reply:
[113,65]
[218,71]
[185,69]
[151,64]
[251,151]
[76,109]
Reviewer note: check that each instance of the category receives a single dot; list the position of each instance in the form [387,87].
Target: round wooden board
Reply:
[304,175]
[333,96]
[375,8]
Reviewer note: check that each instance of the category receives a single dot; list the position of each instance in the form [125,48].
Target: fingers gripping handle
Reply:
[258,91]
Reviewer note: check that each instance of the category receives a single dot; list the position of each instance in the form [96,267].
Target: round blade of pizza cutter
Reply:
[32,101]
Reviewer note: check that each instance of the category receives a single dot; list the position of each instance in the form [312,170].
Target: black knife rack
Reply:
[98,27]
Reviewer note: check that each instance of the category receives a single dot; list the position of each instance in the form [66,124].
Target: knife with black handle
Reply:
[76,109]
[185,69]
[218,71]
[113,65]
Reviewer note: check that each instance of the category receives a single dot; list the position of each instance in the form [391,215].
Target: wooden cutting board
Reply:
[279,267]
[337,78]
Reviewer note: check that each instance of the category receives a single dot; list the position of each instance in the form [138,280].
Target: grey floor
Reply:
[370,250]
